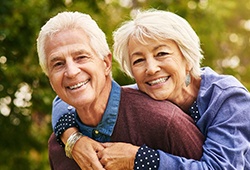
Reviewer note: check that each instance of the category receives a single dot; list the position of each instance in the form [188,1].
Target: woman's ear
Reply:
[189,67]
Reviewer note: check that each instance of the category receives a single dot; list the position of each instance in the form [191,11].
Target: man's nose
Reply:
[72,69]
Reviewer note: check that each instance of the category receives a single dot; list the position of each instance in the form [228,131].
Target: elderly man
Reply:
[75,56]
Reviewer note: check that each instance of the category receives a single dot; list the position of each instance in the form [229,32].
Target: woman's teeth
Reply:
[160,80]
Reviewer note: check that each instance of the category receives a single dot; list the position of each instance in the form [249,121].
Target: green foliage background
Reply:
[25,93]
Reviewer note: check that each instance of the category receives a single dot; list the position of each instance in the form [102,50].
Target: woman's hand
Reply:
[118,156]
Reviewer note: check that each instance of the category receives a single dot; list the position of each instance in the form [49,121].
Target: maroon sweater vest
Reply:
[142,120]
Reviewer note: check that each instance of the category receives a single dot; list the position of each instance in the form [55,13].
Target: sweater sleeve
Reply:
[59,108]
[146,158]
[63,117]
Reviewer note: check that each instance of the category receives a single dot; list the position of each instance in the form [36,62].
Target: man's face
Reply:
[77,74]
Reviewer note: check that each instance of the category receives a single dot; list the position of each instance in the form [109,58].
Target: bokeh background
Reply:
[25,93]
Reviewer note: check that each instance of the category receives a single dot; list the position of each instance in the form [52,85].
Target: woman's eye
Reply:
[81,57]
[138,61]
[162,54]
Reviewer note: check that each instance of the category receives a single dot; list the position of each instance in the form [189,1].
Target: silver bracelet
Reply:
[71,143]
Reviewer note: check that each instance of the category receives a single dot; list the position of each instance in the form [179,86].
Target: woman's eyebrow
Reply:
[159,46]
[136,53]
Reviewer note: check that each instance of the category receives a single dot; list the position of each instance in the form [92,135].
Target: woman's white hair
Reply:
[71,20]
[158,25]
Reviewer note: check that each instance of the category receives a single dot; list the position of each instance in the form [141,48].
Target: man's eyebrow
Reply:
[54,58]
[79,51]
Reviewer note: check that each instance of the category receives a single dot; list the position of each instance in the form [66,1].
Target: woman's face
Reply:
[159,68]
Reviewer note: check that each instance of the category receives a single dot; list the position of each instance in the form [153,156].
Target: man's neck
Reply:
[91,115]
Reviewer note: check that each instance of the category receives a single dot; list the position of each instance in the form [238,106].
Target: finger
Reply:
[104,161]
[96,165]
[107,144]
[85,153]
[91,163]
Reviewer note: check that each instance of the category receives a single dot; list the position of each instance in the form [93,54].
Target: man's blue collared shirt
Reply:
[103,131]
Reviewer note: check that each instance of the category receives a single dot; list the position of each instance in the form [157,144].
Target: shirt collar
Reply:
[105,128]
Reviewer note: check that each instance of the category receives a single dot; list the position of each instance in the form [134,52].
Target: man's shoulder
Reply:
[136,99]
[133,93]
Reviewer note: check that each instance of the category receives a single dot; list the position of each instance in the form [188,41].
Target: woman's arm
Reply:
[225,124]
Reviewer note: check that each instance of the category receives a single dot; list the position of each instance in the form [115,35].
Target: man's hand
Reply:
[118,156]
[85,153]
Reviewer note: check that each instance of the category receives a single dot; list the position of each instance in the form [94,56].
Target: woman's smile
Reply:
[158,81]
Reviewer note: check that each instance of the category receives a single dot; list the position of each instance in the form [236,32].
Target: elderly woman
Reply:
[161,51]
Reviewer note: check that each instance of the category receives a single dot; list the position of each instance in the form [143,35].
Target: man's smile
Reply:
[78,85]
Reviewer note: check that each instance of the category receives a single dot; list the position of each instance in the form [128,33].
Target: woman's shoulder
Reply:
[216,88]
[211,79]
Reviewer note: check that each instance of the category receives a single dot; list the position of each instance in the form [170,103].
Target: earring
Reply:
[188,79]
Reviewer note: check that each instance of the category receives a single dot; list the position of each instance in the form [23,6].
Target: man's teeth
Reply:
[77,85]
[160,80]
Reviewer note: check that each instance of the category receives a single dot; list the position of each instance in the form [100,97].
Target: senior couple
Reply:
[176,116]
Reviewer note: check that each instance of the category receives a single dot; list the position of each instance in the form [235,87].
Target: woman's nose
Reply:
[152,67]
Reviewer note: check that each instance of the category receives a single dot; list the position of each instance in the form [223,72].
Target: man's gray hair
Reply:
[71,20]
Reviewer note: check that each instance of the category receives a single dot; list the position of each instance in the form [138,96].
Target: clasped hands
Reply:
[90,154]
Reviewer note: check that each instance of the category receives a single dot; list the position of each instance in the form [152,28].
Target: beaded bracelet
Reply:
[71,143]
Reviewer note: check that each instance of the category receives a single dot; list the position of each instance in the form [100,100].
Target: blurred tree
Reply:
[26,95]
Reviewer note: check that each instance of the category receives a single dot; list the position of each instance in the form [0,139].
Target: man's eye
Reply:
[138,61]
[82,57]
[57,64]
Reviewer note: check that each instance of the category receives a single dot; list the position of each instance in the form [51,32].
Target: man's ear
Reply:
[108,63]
[51,85]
